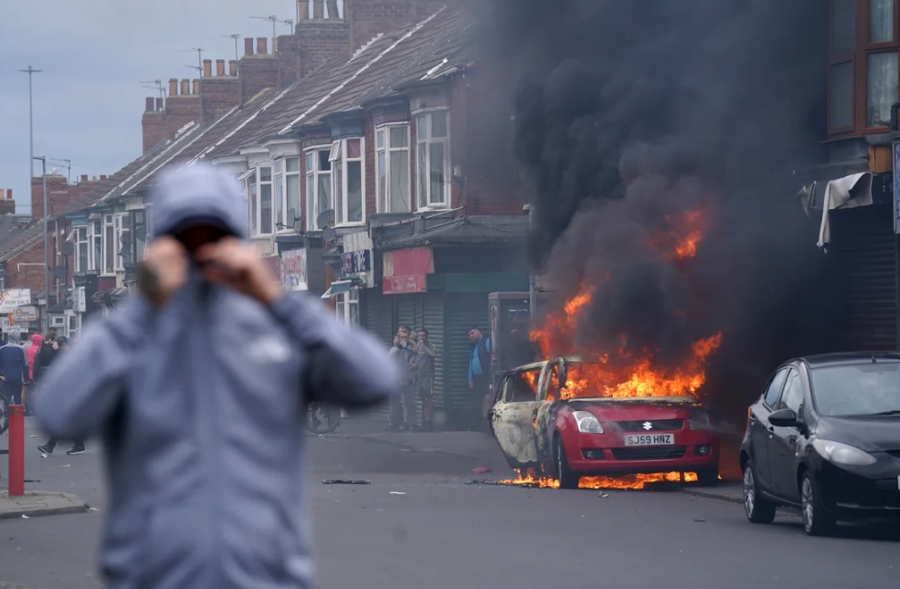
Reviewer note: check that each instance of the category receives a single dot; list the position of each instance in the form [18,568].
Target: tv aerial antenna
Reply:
[275,22]
[235,37]
[156,85]
[200,51]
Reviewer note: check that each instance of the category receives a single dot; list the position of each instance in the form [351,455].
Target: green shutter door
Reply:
[378,314]
[461,311]
[433,321]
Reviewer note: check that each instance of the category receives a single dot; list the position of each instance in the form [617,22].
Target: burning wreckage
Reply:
[592,419]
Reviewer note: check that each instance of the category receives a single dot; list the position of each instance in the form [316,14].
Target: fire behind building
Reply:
[661,141]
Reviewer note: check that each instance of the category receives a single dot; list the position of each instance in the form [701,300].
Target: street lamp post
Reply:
[46,314]
[532,281]
[30,71]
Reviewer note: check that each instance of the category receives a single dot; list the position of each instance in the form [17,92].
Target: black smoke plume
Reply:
[630,113]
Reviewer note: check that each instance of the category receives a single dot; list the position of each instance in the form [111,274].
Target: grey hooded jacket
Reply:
[201,408]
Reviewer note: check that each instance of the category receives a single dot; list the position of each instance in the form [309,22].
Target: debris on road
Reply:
[346,482]
[397,493]
[603,495]
[481,470]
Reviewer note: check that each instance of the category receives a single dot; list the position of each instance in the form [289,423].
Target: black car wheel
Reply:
[758,509]
[816,519]
[567,478]
[708,477]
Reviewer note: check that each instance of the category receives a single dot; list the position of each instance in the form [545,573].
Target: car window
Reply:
[773,392]
[522,386]
[857,389]
[792,398]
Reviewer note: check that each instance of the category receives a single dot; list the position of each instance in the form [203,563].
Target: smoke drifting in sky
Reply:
[631,115]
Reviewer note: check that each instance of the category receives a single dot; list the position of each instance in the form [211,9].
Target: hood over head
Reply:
[195,195]
[37,339]
[12,338]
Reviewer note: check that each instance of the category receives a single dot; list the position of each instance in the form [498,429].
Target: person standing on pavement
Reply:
[479,376]
[78,446]
[46,354]
[426,353]
[199,386]
[403,405]
[31,352]
[13,369]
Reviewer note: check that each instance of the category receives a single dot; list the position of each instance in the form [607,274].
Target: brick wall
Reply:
[319,42]
[7,202]
[368,18]
[19,275]
[218,96]
[60,194]
[258,72]
[161,121]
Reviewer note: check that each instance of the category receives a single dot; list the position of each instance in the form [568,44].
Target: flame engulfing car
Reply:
[538,428]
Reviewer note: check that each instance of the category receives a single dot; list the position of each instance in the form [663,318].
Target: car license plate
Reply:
[650,440]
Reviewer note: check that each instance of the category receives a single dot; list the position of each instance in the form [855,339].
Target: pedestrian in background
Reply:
[31,353]
[426,353]
[403,405]
[479,377]
[13,369]
[78,446]
[199,386]
[46,354]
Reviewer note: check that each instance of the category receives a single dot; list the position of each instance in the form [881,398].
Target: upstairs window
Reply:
[251,193]
[291,216]
[392,151]
[109,246]
[863,72]
[318,185]
[122,241]
[81,249]
[347,180]
[433,163]
[264,195]
[95,236]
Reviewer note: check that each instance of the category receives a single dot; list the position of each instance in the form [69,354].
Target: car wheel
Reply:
[708,477]
[816,519]
[758,509]
[567,478]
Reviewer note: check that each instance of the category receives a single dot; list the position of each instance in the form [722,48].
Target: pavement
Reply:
[422,523]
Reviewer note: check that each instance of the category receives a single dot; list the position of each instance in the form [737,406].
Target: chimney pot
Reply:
[248,46]
[84,177]
[207,68]
[195,90]
[160,106]
[185,87]
[333,9]
[220,67]
[173,87]
[103,177]
[318,9]
[9,194]
[302,10]
[232,68]
[262,46]
[148,104]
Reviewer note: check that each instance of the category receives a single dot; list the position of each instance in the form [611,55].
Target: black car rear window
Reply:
[857,389]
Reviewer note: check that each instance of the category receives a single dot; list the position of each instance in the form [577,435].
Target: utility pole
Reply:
[236,37]
[532,286]
[30,71]
[46,315]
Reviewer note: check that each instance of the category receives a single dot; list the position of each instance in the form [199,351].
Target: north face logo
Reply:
[269,350]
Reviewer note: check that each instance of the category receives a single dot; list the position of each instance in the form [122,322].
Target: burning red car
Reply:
[546,418]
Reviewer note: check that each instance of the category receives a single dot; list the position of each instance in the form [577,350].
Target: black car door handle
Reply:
[771,429]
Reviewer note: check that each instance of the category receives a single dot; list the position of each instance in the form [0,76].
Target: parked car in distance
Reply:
[825,437]
[595,435]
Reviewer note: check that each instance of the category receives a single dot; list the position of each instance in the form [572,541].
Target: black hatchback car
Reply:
[825,437]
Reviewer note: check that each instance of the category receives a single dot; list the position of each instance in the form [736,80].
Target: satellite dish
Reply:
[328,235]
[59,272]
[325,219]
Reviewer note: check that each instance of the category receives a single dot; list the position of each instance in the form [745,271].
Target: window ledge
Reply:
[433,209]
[354,224]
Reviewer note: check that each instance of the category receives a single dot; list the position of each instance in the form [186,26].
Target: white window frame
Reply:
[82,243]
[424,139]
[288,221]
[250,192]
[344,303]
[385,152]
[339,183]
[278,196]
[109,241]
[259,231]
[121,222]
[313,177]
[95,237]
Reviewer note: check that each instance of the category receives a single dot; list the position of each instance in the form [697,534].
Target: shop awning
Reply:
[337,288]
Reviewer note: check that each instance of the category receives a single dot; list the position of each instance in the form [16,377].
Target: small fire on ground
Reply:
[634,482]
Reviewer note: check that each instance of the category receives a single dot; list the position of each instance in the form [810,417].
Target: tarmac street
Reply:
[421,523]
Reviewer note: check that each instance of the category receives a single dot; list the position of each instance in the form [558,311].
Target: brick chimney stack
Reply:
[162,120]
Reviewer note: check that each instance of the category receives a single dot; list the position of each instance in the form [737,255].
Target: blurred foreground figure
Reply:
[198,387]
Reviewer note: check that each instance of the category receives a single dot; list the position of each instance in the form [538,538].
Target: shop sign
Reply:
[356,262]
[79,301]
[23,314]
[294,270]
[404,284]
[12,299]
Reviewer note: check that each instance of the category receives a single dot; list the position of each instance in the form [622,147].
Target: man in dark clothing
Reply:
[480,377]
[404,355]
[13,369]
[46,355]
[426,353]
[62,344]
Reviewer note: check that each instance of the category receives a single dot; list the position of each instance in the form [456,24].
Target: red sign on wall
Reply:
[404,284]
[405,270]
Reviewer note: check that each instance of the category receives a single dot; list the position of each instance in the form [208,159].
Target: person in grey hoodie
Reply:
[198,387]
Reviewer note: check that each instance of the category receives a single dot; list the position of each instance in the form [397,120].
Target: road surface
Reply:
[420,525]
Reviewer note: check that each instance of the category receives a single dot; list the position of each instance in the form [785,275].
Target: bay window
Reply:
[318,184]
[347,307]
[347,180]
[81,249]
[122,241]
[265,201]
[392,154]
[863,65]
[95,236]
[109,246]
[433,148]
[139,242]
[250,192]
[278,195]
[292,192]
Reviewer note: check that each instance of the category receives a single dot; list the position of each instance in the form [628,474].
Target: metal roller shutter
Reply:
[378,313]
[461,311]
[433,321]
[867,252]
